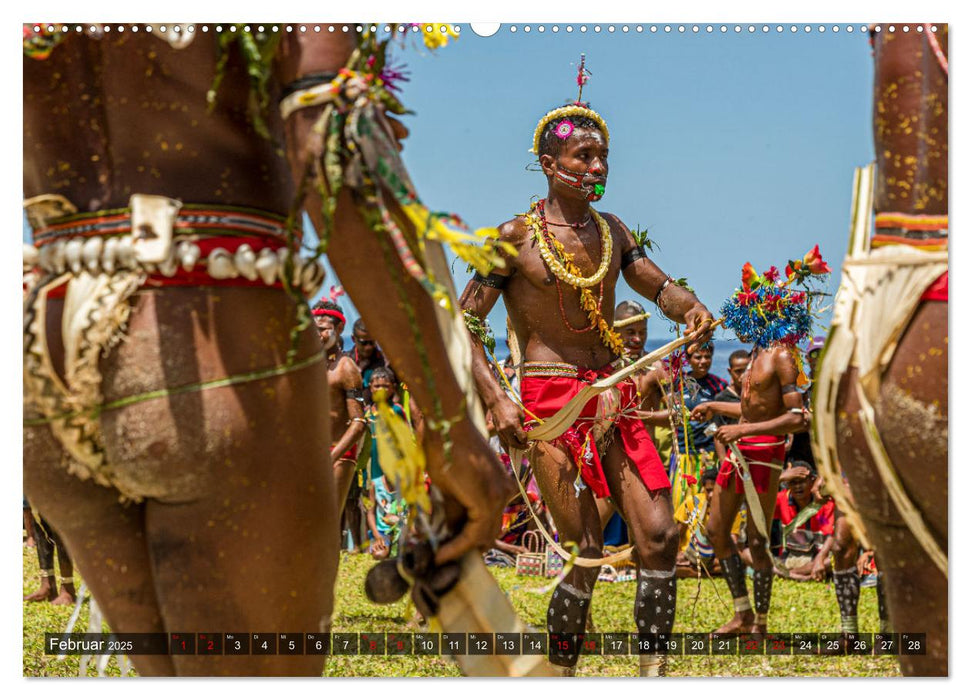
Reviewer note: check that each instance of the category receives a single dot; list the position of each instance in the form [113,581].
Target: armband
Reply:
[357,394]
[306,81]
[491,280]
[790,389]
[657,297]
[308,91]
[632,255]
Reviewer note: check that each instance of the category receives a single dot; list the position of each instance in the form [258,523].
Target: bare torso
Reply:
[761,387]
[342,376]
[127,113]
[534,302]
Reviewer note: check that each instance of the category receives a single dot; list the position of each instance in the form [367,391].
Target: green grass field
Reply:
[796,607]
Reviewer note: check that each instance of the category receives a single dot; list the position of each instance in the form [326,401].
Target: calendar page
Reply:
[545,348]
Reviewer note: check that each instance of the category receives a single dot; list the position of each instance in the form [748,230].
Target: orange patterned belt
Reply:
[205,219]
[924,231]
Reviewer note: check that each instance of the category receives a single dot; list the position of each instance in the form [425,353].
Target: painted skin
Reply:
[226,483]
[910,127]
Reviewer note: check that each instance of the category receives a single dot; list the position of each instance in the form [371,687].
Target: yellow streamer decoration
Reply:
[478,249]
[402,460]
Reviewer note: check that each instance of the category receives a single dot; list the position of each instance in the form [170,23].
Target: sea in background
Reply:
[719,361]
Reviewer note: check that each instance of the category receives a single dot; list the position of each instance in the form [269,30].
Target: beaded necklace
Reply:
[546,242]
[576,227]
[564,269]
[570,327]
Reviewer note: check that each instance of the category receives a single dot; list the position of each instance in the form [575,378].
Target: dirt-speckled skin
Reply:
[238,530]
[910,132]
[910,123]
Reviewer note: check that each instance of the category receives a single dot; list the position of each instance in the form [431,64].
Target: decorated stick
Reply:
[554,426]
[477,604]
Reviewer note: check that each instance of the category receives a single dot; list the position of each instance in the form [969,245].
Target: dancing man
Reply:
[347,421]
[773,316]
[50,545]
[570,257]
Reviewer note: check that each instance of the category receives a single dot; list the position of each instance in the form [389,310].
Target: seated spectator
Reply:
[516,522]
[615,532]
[807,526]
[384,518]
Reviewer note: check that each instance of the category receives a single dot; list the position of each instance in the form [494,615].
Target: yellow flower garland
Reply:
[566,112]
[610,338]
[573,277]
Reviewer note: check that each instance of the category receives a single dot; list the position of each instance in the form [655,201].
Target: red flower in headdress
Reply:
[746,298]
[812,263]
[771,302]
[750,278]
[690,479]
[798,298]
[772,274]
[813,260]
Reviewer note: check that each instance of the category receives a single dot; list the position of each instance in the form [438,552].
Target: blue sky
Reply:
[730,147]
[727,147]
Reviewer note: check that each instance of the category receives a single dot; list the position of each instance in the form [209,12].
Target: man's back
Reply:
[126,113]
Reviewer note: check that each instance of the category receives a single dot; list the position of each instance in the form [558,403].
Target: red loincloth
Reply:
[757,448]
[544,395]
[350,454]
[937,291]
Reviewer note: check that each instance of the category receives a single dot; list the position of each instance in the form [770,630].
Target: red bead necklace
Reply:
[559,290]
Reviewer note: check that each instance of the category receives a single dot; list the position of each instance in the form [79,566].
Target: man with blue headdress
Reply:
[769,312]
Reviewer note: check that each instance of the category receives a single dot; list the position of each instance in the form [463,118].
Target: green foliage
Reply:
[796,607]
[257,50]
[480,329]
[641,238]
[683,282]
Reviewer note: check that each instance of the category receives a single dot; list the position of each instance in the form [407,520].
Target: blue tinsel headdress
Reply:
[767,310]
